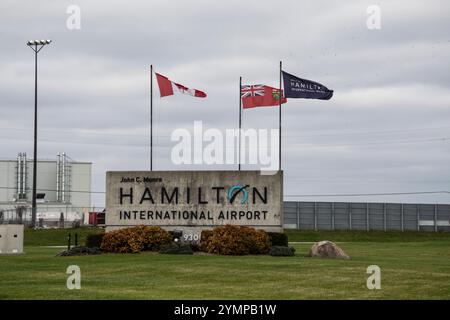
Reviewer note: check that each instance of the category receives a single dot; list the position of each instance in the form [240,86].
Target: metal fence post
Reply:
[367,217]
[435,217]
[349,205]
[332,216]
[403,218]
[315,216]
[298,215]
[384,216]
[418,216]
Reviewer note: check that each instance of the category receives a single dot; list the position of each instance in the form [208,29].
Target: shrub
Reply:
[79,251]
[94,240]
[281,251]
[176,249]
[135,239]
[195,247]
[278,239]
[204,238]
[236,240]
[175,234]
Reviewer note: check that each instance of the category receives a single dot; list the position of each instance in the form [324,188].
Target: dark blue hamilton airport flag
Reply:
[295,87]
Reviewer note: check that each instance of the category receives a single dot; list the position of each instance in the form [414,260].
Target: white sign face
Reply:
[194,199]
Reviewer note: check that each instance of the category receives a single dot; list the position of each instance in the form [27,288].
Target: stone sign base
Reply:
[192,201]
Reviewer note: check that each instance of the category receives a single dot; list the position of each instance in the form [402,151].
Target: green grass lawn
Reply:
[409,270]
[56,237]
[364,236]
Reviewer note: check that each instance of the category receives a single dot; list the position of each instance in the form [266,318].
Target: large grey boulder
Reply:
[327,249]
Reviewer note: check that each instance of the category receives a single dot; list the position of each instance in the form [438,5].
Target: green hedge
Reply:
[176,249]
[94,240]
[278,239]
[281,251]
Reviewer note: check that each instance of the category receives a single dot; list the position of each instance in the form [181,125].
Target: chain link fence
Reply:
[366,216]
[51,216]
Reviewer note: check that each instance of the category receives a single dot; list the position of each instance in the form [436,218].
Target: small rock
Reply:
[327,249]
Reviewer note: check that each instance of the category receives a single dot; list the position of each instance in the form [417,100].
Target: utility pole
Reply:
[36,46]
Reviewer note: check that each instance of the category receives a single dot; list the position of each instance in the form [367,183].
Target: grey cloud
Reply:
[378,134]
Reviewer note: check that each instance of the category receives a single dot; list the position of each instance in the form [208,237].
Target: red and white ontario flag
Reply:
[168,88]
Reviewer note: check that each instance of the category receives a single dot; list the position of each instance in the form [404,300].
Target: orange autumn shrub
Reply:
[236,240]
[135,239]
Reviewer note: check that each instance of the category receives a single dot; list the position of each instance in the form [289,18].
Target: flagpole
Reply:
[279,122]
[151,117]
[240,121]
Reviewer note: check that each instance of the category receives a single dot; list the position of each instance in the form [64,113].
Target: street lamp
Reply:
[36,46]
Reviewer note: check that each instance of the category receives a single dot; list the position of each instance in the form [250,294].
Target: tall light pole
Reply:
[36,46]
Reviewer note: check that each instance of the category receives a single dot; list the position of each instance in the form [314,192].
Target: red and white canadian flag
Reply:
[168,88]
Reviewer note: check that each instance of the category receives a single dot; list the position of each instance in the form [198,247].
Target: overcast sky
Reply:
[386,129]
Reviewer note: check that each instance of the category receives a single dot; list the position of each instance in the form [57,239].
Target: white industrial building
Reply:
[63,189]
